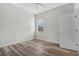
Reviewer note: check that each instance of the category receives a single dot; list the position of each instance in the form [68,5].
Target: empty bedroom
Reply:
[39,29]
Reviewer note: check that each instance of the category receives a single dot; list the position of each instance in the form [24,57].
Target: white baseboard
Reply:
[49,41]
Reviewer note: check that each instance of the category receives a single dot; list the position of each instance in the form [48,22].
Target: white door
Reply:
[77,24]
[67,32]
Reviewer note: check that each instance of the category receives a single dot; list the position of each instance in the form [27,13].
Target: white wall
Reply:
[16,25]
[51,17]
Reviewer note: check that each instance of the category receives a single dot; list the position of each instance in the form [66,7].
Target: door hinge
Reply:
[76,30]
[76,44]
[75,16]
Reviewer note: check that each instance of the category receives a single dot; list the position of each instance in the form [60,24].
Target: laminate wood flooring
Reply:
[36,47]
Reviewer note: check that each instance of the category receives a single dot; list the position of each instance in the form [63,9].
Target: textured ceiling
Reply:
[36,8]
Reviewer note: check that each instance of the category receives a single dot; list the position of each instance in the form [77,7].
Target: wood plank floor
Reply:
[35,48]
